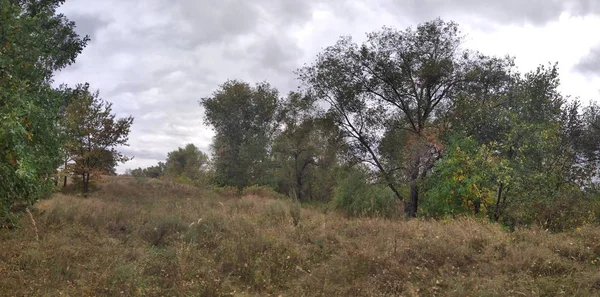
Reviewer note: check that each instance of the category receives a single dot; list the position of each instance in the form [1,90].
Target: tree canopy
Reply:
[35,41]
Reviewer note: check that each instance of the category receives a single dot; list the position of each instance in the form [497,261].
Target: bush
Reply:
[228,191]
[357,198]
[276,211]
[261,191]
[161,231]
[295,210]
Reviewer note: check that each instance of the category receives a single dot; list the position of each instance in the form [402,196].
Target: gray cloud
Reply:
[154,59]
[590,64]
[87,24]
[537,12]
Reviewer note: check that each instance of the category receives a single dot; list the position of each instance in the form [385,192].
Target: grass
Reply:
[154,238]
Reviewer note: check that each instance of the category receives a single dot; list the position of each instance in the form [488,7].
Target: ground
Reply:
[136,237]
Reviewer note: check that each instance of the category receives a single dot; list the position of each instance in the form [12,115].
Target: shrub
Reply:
[261,191]
[227,191]
[356,197]
[295,209]
[276,211]
[159,232]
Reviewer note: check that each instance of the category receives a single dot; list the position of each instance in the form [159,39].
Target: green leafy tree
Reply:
[306,150]
[186,162]
[35,41]
[93,134]
[396,81]
[245,119]
[527,157]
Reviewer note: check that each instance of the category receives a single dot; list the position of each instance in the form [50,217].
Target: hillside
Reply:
[138,237]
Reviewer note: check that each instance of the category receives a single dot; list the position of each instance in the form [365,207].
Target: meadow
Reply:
[147,237]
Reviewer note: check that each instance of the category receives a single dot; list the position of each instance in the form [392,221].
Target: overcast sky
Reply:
[154,59]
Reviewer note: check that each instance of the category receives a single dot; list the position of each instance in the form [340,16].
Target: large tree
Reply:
[402,82]
[93,134]
[35,41]
[519,152]
[244,119]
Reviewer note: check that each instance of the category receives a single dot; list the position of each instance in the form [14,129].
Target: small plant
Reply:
[357,198]
[227,192]
[276,211]
[295,209]
[159,232]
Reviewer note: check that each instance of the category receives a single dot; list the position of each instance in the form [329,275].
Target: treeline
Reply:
[410,118]
[48,133]
[406,122]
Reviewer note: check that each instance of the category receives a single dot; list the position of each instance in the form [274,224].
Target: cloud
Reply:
[154,59]
[590,64]
[536,12]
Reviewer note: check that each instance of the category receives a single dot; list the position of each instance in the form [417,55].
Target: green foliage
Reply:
[92,134]
[35,41]
[150,172]
[306,151]
[356,197]
[397,85]
[187,162]
[465,181]
[244,119]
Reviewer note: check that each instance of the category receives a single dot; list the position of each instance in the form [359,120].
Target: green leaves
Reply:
[34,42]
[245,119]
[93,133]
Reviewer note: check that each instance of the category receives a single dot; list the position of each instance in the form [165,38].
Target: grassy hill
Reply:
[154,238]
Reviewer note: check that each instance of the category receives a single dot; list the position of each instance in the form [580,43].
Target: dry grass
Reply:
[151,238]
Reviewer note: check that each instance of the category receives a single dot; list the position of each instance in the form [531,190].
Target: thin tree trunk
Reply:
[498,201]
[86,183]
[65,173]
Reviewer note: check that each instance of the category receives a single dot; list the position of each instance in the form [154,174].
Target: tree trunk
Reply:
[410,208]
[299,188]
[86,184]
[65,173]
[498,201]
[476,207]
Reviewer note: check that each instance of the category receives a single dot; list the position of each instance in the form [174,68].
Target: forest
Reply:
[405,124]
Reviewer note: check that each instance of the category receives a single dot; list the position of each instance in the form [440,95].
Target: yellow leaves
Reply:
[458,176]
[11,159]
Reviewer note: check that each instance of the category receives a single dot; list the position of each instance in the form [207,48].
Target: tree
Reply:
[397,81]
[527,155]
[245,119]
[305,147]
[186,162]
[93,133]
[35,41]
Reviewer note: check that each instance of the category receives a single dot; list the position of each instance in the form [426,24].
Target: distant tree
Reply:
[35,41]
[156,171]
[184,162]
[93,134]
[244,119]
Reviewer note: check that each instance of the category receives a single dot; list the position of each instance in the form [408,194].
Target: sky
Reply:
[155,59]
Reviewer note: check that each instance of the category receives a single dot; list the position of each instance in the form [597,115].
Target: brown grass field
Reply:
[154,238]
